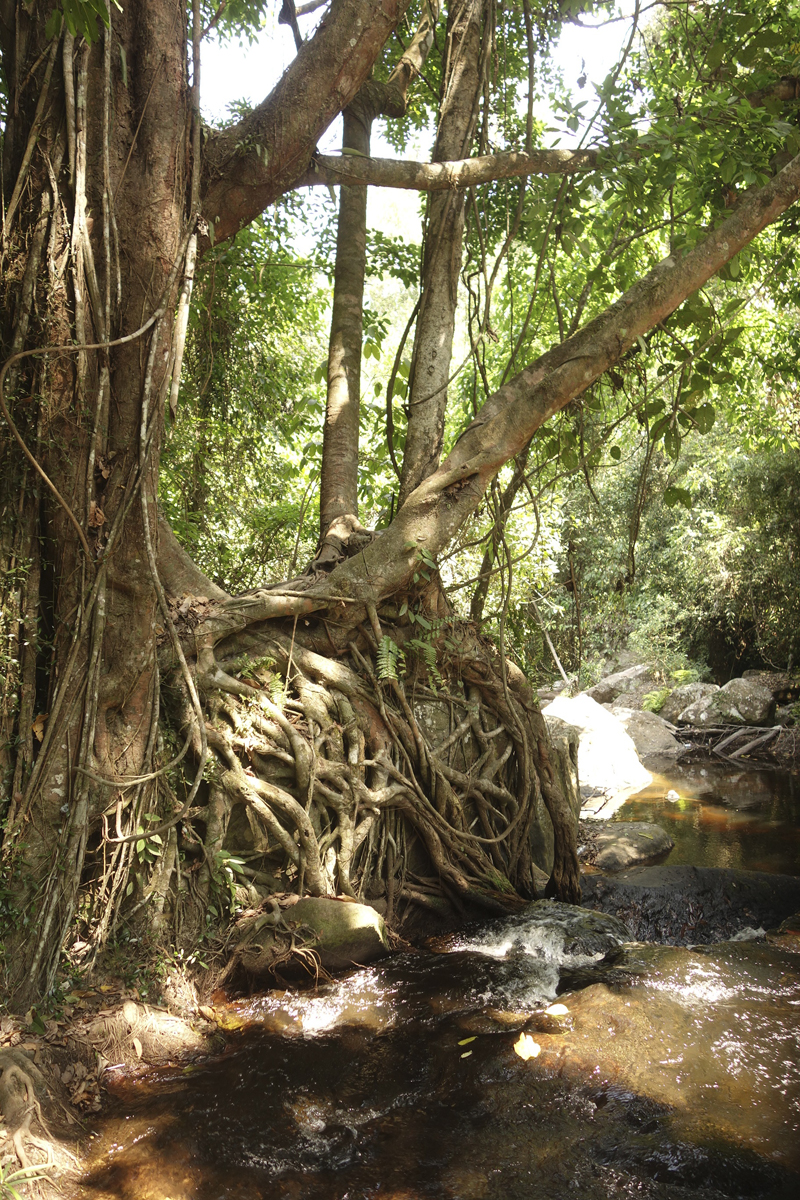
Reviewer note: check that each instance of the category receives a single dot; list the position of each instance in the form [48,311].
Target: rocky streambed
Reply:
[647,1043]
[545,1055]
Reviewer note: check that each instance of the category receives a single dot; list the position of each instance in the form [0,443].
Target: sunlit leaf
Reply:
[526,1047]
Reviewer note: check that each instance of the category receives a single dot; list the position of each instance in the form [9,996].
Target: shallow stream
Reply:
[673,1073]
[720,816]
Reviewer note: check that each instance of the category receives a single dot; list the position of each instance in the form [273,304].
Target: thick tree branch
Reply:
[248,166]
[331,169]
[439,176]
[435,511]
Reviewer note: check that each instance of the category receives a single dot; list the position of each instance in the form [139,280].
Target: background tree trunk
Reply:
[468,42]
[338,495]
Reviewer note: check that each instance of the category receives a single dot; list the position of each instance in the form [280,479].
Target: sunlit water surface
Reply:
[723,816]
[674,1074]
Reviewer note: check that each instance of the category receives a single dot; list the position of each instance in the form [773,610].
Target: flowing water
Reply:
[719,816]
[672,1073]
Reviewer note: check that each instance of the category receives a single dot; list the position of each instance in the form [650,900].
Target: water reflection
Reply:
[676,1074]
[724,817]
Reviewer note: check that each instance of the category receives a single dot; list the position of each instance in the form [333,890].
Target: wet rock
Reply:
[609,769]
[579,932]
[547,931]
[681,697]
[651,734]
[740,702]
[659,1033]
[624,844]
[683,905]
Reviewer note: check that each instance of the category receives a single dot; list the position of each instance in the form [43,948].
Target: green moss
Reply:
[654,701]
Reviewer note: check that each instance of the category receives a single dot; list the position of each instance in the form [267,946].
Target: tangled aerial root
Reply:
[360,761]
[21,1085]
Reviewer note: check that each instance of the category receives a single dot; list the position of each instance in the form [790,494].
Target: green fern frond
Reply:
[427,652]
[390,659]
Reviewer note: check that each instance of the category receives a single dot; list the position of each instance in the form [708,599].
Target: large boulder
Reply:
[337,934]
[740,702]
[681,697]
[608,689]
[346,934]
[783,686]
[651,734]
[608,765]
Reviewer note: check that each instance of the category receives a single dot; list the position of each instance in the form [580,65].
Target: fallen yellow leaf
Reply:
[137,1045]
[526,1047]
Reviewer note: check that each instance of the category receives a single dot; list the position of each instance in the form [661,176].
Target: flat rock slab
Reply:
[625,844]
[684,905]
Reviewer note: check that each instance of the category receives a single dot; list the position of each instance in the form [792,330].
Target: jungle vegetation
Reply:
[270,480]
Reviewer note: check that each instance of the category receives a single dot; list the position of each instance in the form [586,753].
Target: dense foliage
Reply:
[660,506]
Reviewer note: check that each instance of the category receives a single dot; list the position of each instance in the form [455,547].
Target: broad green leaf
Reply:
[705,417]
[672,441]
[677,495]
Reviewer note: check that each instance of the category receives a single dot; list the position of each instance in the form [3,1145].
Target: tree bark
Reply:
[339,481]
[97,207]
[247,167]
[338,495]
[441,266]
[107,179]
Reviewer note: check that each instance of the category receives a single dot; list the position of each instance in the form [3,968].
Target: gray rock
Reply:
[608,765]
[776,682]
[623,844]
[651,734]
[342,934]
[577,931]
[615,685]
[346,934]
[740,702]
[681,697]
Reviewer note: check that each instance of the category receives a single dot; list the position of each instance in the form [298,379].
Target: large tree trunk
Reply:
[339,481]
[99,188]
[92,253]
